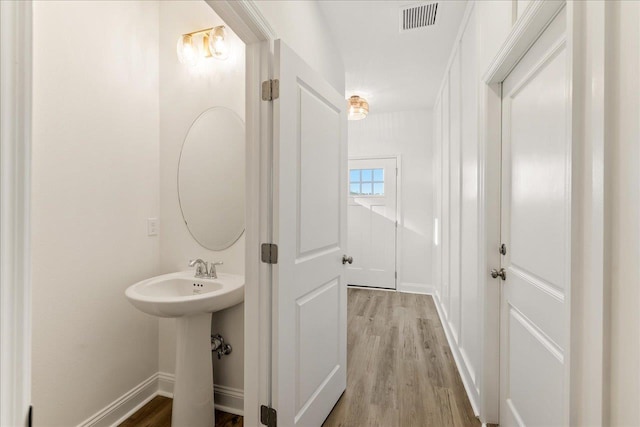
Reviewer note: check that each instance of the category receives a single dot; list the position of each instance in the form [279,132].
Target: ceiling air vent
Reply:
[417,16]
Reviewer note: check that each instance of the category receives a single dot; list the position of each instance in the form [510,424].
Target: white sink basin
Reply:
[181,294]
[191,301]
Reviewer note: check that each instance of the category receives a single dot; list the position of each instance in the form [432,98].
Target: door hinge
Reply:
[503,249]
[270,89]
[30,419]
[269,253]
[396,275]
[268,416]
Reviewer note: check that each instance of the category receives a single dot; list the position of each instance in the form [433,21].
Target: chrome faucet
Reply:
[201,267]
[204,269]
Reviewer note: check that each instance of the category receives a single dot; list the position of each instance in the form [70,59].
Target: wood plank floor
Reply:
[400,370]
[157,413]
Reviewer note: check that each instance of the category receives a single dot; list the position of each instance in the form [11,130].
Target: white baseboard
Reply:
[227,399]
[371,288]
[165,384]
[126,405]
[416,288]
[465,375]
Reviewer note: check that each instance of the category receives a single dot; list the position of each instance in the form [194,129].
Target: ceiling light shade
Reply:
[188,52]
[218,45]
[358,108]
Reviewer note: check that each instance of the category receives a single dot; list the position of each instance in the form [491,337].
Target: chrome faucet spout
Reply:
[201,267]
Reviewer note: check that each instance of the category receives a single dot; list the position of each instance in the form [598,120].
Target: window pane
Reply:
[366,188]
[354,188]
[378,188]
[367,175]
[354,175]
[378,175]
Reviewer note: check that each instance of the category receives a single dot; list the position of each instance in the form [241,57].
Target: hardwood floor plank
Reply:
[157,413]
[400,370]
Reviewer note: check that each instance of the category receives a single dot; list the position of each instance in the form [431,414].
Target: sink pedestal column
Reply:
[193,389]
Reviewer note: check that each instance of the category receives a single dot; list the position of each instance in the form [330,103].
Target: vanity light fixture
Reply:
[358,108]
[217,43]
[207,43]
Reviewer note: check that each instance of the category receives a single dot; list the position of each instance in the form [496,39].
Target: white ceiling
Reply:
[394,71]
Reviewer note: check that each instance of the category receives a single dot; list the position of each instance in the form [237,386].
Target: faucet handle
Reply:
[212,269]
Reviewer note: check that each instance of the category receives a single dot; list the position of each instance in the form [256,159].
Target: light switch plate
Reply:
[152,226]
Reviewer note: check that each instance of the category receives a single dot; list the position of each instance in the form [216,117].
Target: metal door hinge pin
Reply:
[269,253]
[270,89]
[268,416]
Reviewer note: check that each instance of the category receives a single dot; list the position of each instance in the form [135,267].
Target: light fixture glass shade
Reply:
[358,108]
[218,45]
[188,52]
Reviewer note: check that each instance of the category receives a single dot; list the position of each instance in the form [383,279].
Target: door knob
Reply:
[499,273]
[347,259]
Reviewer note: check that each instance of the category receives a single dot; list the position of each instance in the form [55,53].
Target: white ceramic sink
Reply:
[191,301]
[181,294]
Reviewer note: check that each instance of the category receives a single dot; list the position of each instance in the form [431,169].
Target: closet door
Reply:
[536,230]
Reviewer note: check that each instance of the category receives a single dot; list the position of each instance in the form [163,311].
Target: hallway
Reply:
[400,370]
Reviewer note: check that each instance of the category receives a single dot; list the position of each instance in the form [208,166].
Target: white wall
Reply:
[456,202]
[302,26]
[408,134]
[185,93]
[95,183]
[494,20]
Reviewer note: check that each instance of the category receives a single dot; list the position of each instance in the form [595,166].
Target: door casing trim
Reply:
[246,20]
[15,192]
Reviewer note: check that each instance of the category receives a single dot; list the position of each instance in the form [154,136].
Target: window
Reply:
[366,182]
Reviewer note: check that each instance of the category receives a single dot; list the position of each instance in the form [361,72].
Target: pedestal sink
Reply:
[191,301]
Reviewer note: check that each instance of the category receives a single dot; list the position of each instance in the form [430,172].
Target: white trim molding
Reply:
[246,20]
[416,288]
[124,406]
[15,157]
[524,33]
[459,358]
[226,399]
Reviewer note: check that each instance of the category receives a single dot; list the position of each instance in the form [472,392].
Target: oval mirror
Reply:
[211,174]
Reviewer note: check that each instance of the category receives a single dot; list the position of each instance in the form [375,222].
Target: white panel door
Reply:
[372,221]
[309,347]
[536,226]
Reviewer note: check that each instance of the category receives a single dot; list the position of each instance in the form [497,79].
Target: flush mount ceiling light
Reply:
[358,108]
[207,43]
